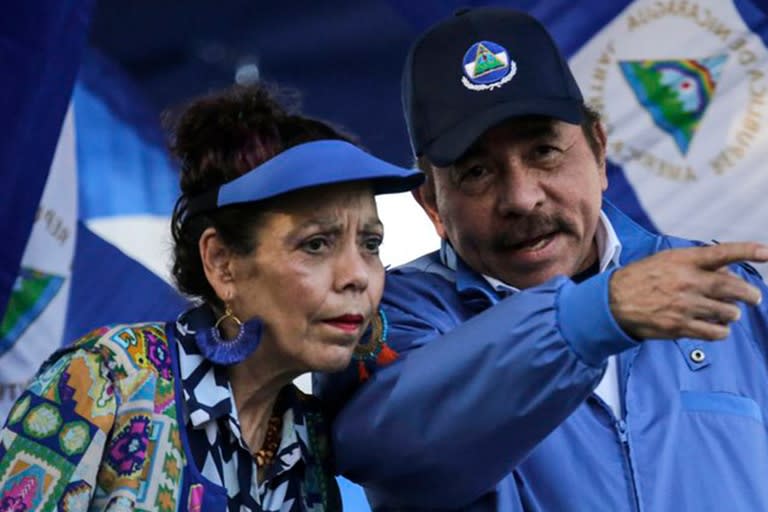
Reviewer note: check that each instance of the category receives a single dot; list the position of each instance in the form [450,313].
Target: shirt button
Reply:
[698,355]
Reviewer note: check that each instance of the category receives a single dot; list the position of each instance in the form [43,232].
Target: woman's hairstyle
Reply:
[216,139]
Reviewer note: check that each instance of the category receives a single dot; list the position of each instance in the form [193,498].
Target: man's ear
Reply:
[425,196]
[217,261]
[602,142]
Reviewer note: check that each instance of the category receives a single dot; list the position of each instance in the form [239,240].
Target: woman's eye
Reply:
[372,244]
[315,245]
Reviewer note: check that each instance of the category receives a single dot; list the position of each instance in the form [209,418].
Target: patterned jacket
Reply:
[99,429]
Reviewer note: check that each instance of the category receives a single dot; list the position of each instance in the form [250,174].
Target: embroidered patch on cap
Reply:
[487,66]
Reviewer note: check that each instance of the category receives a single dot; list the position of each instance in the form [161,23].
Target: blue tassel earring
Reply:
[228,352]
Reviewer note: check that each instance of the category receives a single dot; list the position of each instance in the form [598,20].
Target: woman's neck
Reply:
[256,383]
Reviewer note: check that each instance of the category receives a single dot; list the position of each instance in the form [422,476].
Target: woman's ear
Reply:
[217,261]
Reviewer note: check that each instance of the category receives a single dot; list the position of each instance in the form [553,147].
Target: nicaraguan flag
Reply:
[98,249]
[683,91]
[41,42]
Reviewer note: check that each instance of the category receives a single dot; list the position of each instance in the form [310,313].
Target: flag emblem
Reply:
[486,66]
[31,294]
[684,127]
[676,93]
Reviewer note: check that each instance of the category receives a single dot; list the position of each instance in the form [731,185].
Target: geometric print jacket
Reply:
[99,429]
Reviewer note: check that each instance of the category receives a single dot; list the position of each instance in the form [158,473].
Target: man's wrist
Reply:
[586,322]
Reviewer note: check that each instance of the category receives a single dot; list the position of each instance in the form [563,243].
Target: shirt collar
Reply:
[469,283]
[208,395]
[608,245]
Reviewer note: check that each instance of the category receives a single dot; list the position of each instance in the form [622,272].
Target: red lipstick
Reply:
[347,323]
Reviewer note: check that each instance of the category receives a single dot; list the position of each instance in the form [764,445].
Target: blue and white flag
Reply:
[683,90]
[40,46]
[41,43]
[99,247]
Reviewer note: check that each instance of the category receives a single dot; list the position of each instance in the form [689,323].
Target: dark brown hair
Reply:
[217,138]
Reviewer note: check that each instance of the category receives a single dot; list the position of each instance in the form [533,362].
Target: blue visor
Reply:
[312,164]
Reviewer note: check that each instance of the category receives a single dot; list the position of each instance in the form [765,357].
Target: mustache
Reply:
[529,228]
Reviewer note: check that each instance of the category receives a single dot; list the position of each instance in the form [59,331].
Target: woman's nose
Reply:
[352,269]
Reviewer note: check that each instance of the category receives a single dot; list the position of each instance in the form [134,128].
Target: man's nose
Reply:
[520,190]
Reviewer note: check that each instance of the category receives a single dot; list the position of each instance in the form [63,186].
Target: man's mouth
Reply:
[534,243]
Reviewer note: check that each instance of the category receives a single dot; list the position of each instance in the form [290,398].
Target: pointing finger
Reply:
[715,256]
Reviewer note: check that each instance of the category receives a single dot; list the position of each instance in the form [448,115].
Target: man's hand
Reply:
[684,292]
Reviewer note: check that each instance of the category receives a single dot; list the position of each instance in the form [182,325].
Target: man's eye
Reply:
[473,173]
[546,151]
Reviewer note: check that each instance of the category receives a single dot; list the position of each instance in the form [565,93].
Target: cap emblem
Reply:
[487,66]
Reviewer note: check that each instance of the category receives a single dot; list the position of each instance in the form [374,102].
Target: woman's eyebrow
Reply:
[323,223]
[373,225]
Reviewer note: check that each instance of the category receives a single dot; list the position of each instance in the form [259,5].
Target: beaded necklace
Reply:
[266,454]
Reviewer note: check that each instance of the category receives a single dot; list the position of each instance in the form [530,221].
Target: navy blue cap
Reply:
[476,69]
[321,162]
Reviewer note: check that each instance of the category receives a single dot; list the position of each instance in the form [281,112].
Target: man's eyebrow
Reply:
[529,130]
[472,152]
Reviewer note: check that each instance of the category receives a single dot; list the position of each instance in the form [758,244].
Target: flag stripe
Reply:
[41,42]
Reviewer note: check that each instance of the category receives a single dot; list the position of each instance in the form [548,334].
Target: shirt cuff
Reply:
[586,321]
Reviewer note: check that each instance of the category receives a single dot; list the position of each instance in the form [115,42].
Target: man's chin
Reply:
[528,276]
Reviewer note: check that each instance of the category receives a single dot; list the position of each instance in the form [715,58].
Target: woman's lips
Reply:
[348,323]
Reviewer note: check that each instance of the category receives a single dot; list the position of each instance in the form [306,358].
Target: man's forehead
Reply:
[523,127]
[515,129]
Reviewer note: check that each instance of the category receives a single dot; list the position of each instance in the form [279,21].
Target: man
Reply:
[496,383]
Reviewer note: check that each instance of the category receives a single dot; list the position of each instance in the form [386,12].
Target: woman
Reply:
[276,233]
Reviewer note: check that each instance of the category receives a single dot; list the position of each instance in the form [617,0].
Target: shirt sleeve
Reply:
[52,444]
[755,318]
[466,401]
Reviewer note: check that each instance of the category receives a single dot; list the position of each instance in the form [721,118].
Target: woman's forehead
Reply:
[327,197]
[327,206]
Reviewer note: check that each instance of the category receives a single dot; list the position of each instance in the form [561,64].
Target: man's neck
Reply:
[588,272]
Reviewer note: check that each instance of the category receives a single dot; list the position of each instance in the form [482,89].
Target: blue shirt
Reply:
[490,405]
